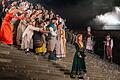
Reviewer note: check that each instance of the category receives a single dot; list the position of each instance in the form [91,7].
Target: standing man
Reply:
[108,47]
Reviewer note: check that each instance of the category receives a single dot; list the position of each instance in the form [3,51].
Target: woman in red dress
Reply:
[6,36]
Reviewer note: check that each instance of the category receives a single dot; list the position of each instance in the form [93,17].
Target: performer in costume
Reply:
[78,66]
[52,42]
[6,35]
[89,43]
[39,39]
[20,30]
[28,34]
[61,42]
[108,47]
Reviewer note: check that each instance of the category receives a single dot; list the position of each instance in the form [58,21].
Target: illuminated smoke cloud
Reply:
[110,20]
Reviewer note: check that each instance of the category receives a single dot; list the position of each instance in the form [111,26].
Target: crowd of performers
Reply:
[35,28]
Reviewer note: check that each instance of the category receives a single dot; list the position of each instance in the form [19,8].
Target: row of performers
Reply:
[108,44]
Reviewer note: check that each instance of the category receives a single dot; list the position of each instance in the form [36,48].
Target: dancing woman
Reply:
[78,66]
[6,35]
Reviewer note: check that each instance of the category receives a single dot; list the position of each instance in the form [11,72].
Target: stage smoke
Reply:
[110,20]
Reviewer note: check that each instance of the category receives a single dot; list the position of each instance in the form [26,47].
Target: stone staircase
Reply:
[97,69]
[15,65]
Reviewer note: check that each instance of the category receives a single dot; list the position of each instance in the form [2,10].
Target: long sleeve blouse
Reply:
[29,31]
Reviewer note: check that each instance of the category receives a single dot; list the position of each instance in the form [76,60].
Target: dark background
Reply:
[79,13]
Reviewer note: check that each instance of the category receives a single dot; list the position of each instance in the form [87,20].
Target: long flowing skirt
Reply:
[51,48]
[6,36]
[40,50]
[40,46]
[78,66]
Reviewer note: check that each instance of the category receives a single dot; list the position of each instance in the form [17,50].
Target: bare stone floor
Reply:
[15,65]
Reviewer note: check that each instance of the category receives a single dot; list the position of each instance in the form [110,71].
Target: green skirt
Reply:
[78,65]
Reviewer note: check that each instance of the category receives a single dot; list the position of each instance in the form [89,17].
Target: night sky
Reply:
[78,13]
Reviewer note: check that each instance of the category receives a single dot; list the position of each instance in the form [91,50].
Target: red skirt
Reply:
[109,51]
[6,36]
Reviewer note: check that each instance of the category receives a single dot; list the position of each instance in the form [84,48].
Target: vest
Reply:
[108,44]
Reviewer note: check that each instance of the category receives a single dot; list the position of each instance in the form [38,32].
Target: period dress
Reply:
[89,44]
[52,41]
[20,30]
[6,35]
[78,66]
[6,30]
[27,36]
[61,44]
[39,43]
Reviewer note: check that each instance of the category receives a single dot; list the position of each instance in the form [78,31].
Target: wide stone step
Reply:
[25,60]
[31,69]
[31,76]
[27,67]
